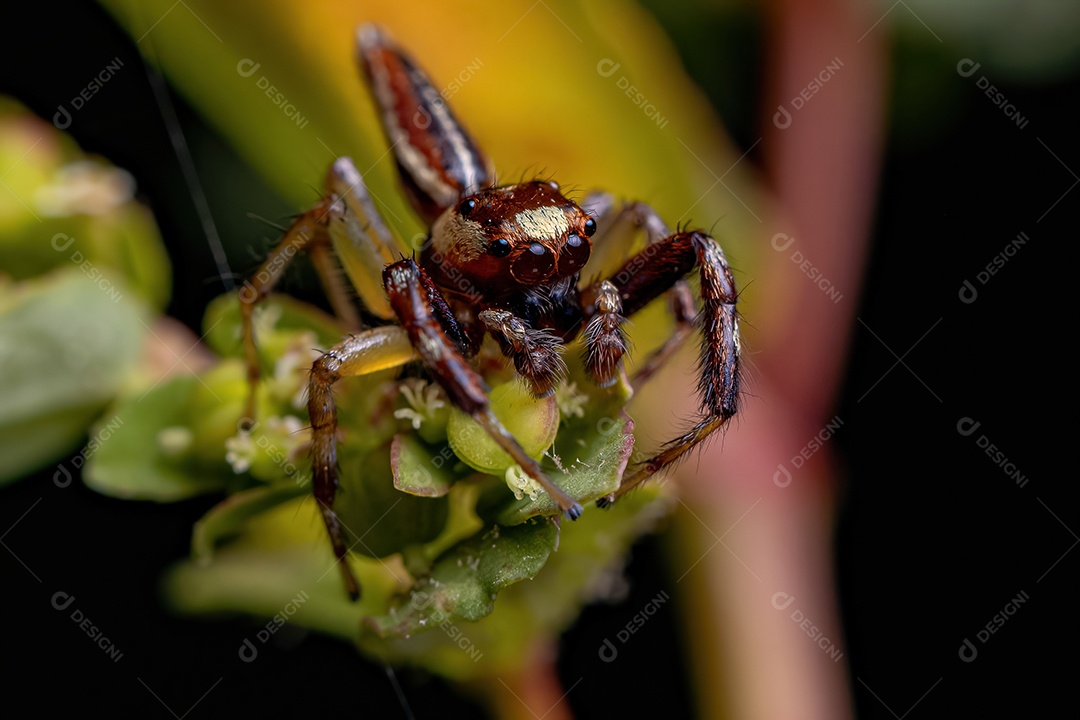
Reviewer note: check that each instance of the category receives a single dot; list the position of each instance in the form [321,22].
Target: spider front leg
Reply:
[425,316]
[605,341]
[534,351]
[653,272]
[618,224]
[437,159]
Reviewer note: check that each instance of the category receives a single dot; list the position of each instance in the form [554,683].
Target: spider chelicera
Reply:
[505,261]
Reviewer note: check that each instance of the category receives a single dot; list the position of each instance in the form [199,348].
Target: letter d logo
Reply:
[967,426]
[62,601]
[782,600]
[782,118]
[248,652]
[782,477]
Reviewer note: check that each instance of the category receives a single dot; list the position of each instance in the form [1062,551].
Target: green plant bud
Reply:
[272,451]
[378,519]
[533,421]
[216,407]
[64,209]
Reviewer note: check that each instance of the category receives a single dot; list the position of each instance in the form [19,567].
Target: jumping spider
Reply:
[504,261]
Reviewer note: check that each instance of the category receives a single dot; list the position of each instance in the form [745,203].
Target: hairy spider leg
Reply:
[345,219]
[605,340]
[535,352]
[362,242]
[306,234]
[437,159]
[617,226]
[370,351]
[654,271]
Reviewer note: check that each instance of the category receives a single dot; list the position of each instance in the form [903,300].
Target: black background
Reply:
[934,539]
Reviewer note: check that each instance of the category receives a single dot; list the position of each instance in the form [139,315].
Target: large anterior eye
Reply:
[574,254]
[467,206]
[533,265]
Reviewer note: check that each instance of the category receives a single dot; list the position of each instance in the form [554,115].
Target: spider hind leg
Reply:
[368,352]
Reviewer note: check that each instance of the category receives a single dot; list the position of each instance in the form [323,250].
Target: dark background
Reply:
[933,539]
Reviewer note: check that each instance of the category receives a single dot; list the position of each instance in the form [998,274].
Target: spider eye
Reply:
[466,207]
[574,254]
[500,247]
[533,265]
[590,227]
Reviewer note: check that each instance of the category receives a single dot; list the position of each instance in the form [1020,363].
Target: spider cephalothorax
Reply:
[505,262]
[508,238]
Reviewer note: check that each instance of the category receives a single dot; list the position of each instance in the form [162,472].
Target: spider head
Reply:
[506,238]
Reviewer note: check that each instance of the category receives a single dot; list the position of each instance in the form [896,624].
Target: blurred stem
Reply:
[534,691]
[762,547]
[824,170]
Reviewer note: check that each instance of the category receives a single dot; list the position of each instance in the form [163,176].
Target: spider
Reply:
[499,260]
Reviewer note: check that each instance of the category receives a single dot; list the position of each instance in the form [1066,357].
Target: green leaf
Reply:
[417,471]
[285,315]
[228,517]
[593,464]
[532,421]
[465,581]
[378,519]
[68,343]
[139,462]
[63,208]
